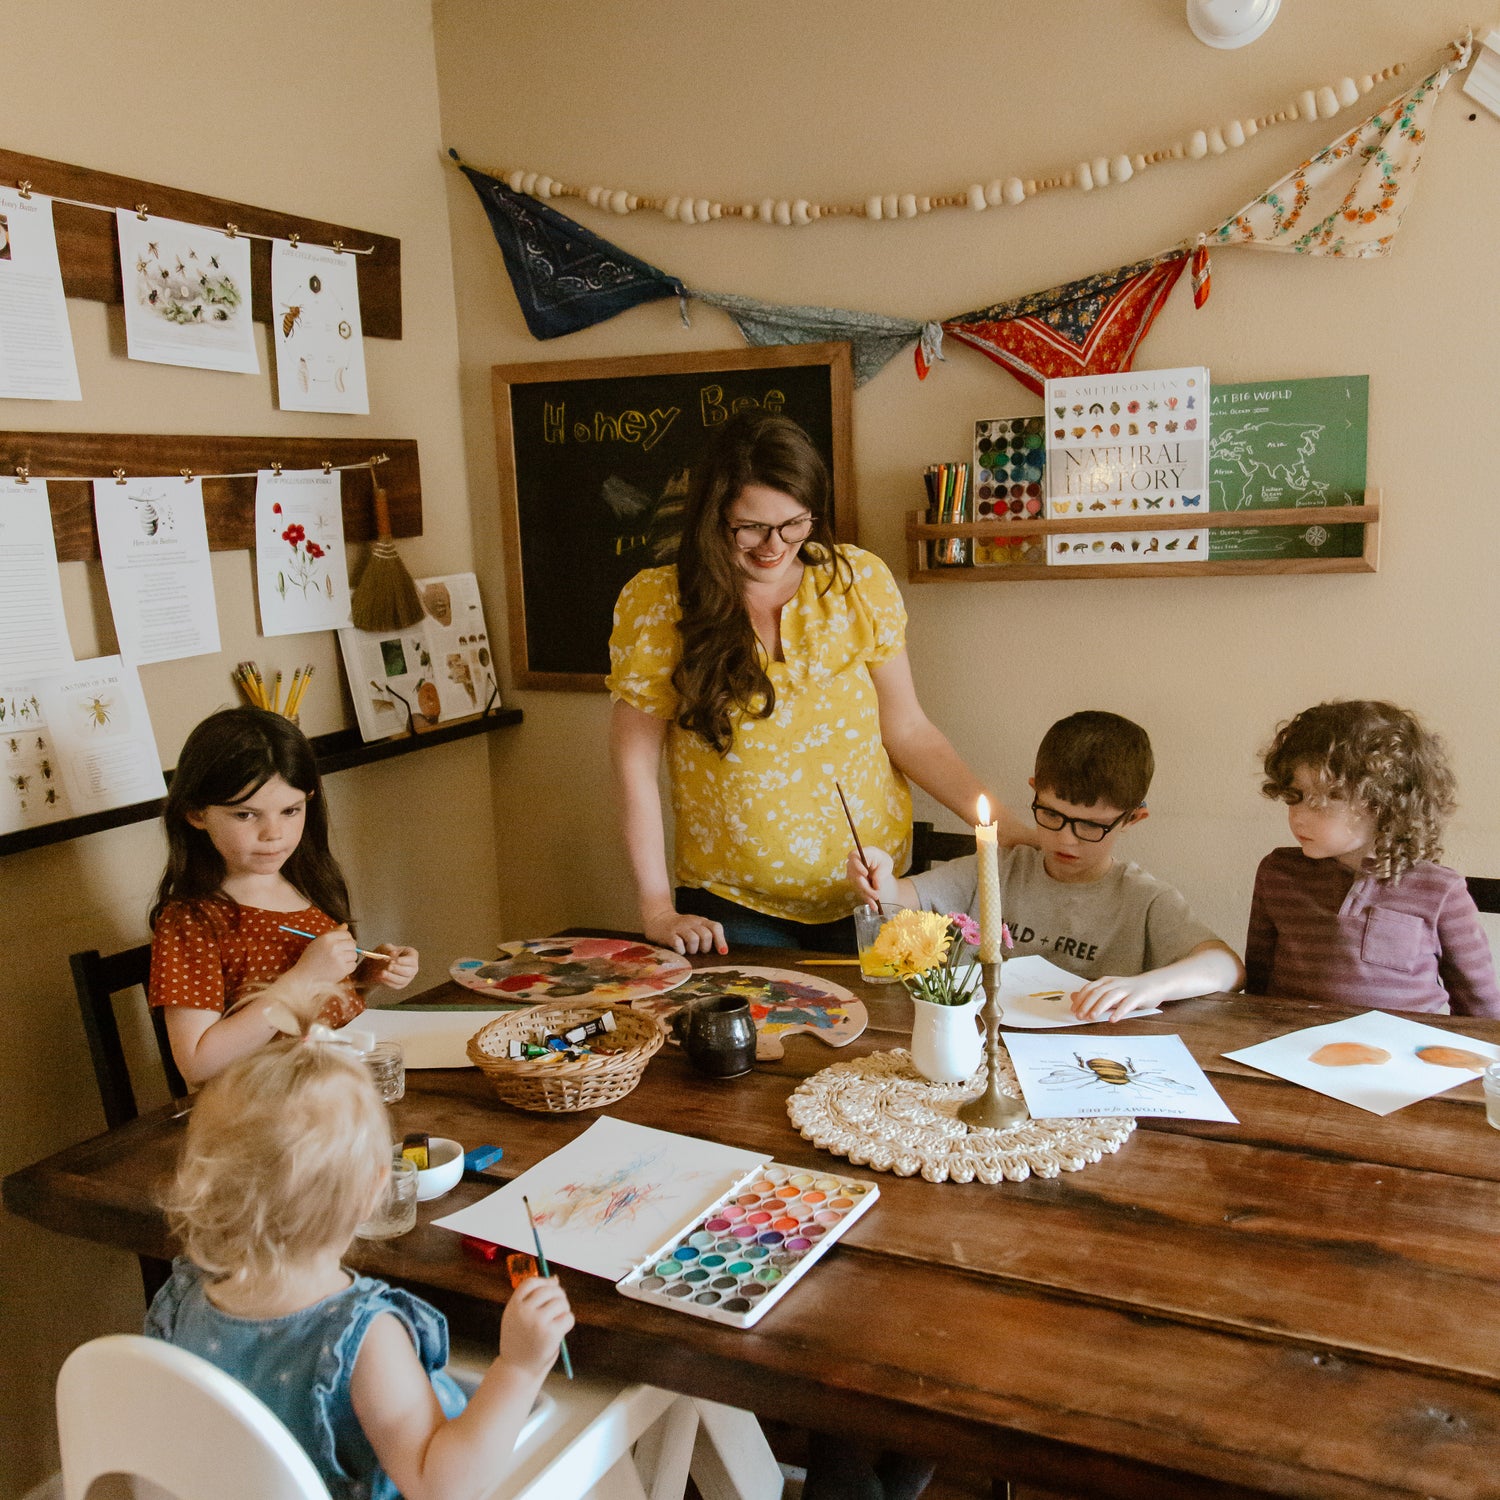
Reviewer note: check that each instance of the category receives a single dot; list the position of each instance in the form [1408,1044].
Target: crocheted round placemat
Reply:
[878,1111]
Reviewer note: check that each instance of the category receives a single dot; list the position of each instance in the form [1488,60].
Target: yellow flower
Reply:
[913,942]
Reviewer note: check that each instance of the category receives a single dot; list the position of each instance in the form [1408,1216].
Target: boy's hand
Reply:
[534,1323]
[329,958]
[399,969]
[874,877]
[1112,998]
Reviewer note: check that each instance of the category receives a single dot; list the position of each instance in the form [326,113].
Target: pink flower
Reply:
[968,928]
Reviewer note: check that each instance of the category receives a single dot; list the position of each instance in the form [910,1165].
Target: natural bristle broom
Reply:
[385,597]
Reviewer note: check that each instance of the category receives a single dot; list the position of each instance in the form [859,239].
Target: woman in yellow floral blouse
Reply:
[768,663]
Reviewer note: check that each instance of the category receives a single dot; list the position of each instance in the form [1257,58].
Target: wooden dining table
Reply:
[1306,1303]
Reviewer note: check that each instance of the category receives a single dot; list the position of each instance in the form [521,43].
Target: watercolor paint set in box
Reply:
[737,1259]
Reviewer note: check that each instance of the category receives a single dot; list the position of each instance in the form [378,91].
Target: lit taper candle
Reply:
[987,843]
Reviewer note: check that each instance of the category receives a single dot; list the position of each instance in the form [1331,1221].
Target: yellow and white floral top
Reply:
[762,825]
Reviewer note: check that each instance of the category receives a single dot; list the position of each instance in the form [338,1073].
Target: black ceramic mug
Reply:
[718,1036]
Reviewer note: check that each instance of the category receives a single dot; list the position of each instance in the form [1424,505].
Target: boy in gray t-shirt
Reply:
[1106,920]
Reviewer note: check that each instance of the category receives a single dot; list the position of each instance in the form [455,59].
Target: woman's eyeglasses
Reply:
[1087,832]
[756,533]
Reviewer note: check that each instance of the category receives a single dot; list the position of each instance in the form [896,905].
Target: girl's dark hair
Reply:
[1376,756]
[720,669]
[230,756]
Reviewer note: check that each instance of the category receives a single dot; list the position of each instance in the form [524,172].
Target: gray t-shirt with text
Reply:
[1124,923]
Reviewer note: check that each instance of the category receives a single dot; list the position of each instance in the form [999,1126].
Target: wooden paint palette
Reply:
[573,968]
[784,1002]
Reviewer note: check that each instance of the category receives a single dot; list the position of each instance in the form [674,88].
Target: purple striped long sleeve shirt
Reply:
[1318,931]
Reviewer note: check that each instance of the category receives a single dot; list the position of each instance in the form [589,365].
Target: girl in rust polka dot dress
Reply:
[247,855]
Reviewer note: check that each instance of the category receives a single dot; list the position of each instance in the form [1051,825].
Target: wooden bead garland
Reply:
[1310,104]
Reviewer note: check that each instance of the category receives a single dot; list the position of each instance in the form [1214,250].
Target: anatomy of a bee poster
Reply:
[320,350]
[1064,1077]
[187,294]
[153,541]
[73,742]
[300,566]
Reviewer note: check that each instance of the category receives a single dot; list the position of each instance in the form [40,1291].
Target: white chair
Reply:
[133,1405]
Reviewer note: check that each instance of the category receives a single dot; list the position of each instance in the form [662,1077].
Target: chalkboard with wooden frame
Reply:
[594,461]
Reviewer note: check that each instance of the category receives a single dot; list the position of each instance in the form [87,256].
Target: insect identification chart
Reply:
[75,742]
[153,541]
[36,344]
[187,294]
[300,564]
[1065,1077]
[320,349]
[1378,1061]
[33,629]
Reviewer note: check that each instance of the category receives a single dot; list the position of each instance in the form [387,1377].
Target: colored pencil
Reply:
[294,705]
[853,831]
[383,958]
[291,693]
[541,1260]
[276,693]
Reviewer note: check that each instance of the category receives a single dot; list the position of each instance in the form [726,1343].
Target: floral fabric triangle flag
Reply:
[1349,199]
[565,278]
[1087,327]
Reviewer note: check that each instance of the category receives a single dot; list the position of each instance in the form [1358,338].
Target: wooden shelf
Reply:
[920,533]
[338,751]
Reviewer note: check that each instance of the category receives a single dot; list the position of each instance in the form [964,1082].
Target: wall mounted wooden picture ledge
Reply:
[89,251]
[228,504]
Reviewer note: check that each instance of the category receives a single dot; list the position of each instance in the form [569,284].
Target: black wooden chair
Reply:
[929,844]
[98,979]
[1486,893]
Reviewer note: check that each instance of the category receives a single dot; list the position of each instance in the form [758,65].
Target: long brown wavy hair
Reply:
[720,670]
[1378,757]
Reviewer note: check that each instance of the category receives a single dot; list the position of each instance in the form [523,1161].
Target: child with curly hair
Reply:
[1361,913]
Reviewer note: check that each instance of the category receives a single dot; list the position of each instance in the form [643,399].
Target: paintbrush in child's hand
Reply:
[380,958]
[562,1344]
[853,831]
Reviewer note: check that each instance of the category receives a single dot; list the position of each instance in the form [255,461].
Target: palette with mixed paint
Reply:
[1010,460]
[572,968]
[736,1260]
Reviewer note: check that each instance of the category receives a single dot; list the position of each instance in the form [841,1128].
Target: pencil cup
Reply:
[868,920]
[1492,1094]
[397,1210]
[387,1065]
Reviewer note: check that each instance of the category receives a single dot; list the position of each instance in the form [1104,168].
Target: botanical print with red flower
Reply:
[300,563]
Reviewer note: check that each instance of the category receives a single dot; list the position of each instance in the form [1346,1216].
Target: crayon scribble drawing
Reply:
[606,1202]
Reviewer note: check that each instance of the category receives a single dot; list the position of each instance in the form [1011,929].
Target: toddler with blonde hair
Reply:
[288,1151]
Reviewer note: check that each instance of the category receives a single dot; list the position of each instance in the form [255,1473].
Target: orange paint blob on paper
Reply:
[1453,1057]
[1349,1055]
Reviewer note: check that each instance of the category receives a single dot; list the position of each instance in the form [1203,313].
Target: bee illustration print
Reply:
[46,770]
[20,782]
[97,711]
[289,320]
[51,796]
[1114,1073]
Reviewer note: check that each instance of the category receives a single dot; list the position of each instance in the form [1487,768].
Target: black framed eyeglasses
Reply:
[1083,830]
[754,534]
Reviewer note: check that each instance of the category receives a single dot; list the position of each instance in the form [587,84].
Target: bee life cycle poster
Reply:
[320,347]
[1128,446]
[187,294]
[301,568]
[74,742]
[153,541]
[1066,1077]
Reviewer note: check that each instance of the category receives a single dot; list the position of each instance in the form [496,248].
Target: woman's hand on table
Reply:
[683,932]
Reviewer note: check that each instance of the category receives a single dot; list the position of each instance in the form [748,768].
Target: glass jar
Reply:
[387,1065]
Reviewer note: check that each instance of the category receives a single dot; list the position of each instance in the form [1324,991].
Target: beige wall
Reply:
[839,100]
[328,110]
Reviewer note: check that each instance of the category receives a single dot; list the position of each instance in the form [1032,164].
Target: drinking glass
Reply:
[1492,1094]
[387,1065]
[397,1210]
[868,920]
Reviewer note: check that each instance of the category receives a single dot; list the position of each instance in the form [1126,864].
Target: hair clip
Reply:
[141,212]
[119,475]
[24,187]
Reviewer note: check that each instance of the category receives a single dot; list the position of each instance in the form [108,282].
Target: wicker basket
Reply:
[575,1083]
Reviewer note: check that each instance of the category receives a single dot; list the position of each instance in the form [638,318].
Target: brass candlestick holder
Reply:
[992,1110]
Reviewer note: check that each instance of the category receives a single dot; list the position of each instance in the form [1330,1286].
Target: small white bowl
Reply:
[447,1166]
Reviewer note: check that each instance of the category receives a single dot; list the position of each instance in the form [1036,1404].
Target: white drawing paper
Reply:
[440,669]
[1035,994]
[153,541]
[1395,1073]
[609,1197]
[301,566]
[429,1038]
[1064,1077]
[75,742]
[187,294]
[1124,446]
[33,628]
[36,344]
[320,349]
